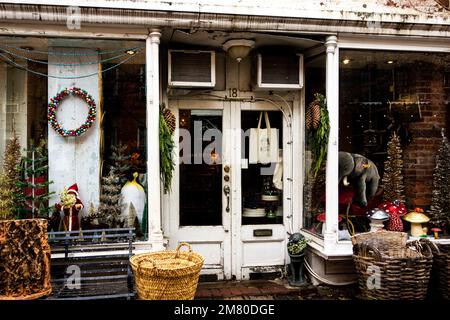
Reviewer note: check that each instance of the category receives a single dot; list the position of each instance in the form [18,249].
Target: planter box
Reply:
[25,259]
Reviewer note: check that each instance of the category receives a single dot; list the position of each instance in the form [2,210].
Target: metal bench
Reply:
[92,264]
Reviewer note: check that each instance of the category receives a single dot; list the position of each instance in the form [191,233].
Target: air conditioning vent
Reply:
[279,71]
[190,68]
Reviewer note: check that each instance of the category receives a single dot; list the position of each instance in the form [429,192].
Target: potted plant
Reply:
[296,246]
[296,249]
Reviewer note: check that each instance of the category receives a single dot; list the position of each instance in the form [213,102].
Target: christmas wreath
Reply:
[56,100]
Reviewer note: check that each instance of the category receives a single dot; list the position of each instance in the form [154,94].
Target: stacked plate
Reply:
[254,213]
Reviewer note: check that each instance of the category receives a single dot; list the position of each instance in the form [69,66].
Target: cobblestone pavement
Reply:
[271,290]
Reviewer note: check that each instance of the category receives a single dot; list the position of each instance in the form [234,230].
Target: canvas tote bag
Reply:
[263,142]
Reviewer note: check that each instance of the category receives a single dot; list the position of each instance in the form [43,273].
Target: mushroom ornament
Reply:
[395,210]
[416,218]
[377,216]
[436,232]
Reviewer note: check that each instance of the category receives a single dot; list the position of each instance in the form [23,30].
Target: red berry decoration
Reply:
[54,104]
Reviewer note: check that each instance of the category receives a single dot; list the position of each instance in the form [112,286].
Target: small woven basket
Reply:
[167,275]
[391,271]
[441,271]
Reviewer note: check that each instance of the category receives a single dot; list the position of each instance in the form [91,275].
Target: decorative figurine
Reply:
[377,216]
[133,192]
[296,249]
[71,205]
[416,218]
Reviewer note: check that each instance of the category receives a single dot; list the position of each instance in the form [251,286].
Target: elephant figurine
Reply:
[362,173]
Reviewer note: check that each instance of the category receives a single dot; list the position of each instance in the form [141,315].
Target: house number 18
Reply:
[233,92]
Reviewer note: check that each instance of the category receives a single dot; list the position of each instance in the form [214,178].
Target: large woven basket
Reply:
[167,275]
[388,271]
[441,271]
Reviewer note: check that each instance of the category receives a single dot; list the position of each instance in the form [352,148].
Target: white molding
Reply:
[394,43]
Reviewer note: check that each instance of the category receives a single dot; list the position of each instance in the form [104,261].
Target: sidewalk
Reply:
[270,290]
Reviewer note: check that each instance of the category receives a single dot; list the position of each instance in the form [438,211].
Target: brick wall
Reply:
[426,81]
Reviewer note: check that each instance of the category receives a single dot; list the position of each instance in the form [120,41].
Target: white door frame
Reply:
[233,260]
[213,241]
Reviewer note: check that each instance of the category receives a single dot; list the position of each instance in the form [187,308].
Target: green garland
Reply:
[166,146]
[320,135]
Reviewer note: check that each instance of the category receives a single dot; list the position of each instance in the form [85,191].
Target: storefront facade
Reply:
[364,59]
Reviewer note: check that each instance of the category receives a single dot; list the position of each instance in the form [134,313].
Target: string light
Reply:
[71,54]
[65,64]
[63,77]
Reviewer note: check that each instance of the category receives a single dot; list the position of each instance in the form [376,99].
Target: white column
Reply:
[74,159]
[332,193]
[153,172]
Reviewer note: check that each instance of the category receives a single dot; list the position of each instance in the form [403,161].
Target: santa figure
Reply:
[71,205]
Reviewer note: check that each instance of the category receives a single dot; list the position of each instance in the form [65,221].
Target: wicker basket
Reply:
[382,238]
[388,271]
[441,271]
[167,275]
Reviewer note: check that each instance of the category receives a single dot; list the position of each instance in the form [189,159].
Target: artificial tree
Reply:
[110,199]
[392,181]
[10,191]
[120,161]
[34,197]
[24,248]
[439,211]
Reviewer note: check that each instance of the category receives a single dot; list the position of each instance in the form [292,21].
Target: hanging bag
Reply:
[263,142]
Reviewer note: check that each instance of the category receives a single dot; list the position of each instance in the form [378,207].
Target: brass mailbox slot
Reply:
[262,233]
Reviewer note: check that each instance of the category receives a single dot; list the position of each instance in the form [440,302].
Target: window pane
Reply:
[382,93]
[314,185]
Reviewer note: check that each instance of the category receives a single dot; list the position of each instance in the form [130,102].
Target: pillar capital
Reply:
[331,44]
[155,36]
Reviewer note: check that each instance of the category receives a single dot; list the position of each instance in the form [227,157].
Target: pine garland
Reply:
[166,146]
[10,192]
[439,212]
[392,182]
[320,134]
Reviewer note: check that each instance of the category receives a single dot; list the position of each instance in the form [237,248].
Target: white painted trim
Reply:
[153,165]
[394,43]
[332,96]
[250,9]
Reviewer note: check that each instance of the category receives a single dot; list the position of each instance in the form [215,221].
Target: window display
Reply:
[393,112]
[262,176]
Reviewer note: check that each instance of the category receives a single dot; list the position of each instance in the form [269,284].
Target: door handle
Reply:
[226,190]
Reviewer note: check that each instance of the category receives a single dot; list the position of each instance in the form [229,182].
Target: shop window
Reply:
[382,93]
[262,192]
[200,167]
[314,184]
[124,127]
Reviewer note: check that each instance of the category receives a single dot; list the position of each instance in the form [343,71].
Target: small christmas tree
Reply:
[392,181]
[34,200]
[10,192]
[439,212]
[120,162]
[110,199]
